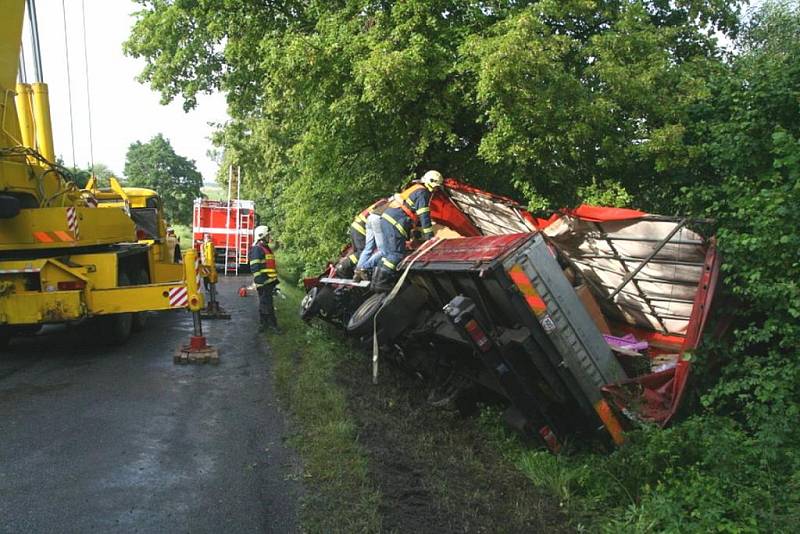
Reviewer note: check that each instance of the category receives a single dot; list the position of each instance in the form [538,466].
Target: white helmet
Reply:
[260,232]
[432,179]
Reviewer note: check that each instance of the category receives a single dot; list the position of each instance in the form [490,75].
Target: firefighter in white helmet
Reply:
[408,209]
[265,277]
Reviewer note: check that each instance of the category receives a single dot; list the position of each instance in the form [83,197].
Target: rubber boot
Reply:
[273,322]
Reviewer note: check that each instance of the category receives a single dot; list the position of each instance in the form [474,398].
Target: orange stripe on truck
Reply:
[43,237]
[609,421]
[525,286]
[63,236]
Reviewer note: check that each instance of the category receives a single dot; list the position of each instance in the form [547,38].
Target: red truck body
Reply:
[229,225]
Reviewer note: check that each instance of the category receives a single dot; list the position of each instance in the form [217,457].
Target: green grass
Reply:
[341,497]
[701,475]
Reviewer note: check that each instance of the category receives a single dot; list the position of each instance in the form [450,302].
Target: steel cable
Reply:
[88,95]
[69,83]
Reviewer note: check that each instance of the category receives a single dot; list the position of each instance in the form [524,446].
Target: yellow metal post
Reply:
[25,112]
[191,270]
[208,262]
[41,116]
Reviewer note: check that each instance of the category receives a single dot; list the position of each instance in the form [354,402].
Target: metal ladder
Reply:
[234,186]
[244,234]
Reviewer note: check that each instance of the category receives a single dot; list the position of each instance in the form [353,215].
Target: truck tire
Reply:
[9,332]
[140,277]
[318,301]
[120,325]
[121,328]
[360,322]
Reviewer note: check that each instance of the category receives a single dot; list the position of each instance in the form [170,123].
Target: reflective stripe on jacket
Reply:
[410,207]
[262,265]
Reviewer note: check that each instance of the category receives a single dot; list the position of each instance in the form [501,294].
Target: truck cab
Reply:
[147,211]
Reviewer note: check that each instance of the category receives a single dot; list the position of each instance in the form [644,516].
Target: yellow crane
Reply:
[68,254]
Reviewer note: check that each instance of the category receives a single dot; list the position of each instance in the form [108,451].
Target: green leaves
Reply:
[591,92]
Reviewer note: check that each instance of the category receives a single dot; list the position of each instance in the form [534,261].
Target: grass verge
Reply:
[341,497]
[702,475]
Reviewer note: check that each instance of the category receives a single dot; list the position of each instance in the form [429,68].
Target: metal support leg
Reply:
[198,325]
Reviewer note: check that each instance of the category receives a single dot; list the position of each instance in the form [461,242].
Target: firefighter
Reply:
[360,233]
[374,239]
[265,277]
[409,208]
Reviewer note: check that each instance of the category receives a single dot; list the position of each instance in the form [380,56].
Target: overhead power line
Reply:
[88,96]
[69,83]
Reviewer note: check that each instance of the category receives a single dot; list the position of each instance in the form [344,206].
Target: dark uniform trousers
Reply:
[265,277]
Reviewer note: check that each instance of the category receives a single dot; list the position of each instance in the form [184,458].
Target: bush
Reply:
[705,475]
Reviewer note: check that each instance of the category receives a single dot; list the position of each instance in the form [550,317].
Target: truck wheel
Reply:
[308,306]
[318,301]
[140,318]
[121,328]
[120,325]
[360,322]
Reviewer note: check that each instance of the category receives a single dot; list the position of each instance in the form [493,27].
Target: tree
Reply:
[338,102]
[155,165]
[102,173]
[747,177]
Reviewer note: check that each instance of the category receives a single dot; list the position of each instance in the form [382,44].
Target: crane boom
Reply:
[69,254]
[10,42]
[38,196]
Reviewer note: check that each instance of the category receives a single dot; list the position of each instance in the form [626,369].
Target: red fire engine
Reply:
[229,225]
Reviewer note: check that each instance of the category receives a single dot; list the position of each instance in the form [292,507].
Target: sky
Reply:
[123,110]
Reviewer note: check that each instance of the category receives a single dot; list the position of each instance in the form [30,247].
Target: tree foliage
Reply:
[155,165]
[342,101]
[101,172]
[747,137]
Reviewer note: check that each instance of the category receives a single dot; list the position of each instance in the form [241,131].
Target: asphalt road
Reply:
[119,439]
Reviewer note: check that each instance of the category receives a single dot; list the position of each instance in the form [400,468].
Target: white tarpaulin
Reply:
[661,294]
[491,214]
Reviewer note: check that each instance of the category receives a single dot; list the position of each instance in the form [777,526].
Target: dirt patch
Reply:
[433,467]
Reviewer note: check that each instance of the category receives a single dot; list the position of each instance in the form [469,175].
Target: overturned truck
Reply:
[583,322]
